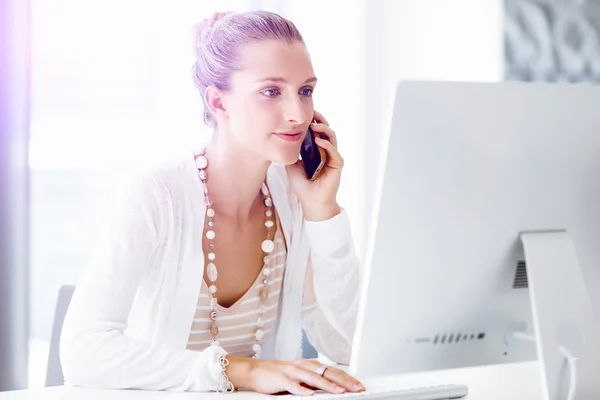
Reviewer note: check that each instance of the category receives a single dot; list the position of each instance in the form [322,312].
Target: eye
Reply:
[306,91]
[270,92]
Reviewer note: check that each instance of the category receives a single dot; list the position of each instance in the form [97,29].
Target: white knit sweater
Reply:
[130,316]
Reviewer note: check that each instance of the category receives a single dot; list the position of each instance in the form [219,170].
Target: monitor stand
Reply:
[565,330]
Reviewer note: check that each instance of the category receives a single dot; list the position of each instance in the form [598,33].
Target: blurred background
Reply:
[109,89]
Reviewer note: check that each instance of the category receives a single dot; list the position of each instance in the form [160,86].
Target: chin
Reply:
[286,158]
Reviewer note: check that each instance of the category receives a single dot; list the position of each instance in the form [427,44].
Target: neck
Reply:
[235,178]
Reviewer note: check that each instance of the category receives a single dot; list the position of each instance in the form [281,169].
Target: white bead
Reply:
[264,189]
[268,213]
[268,202]
[211,256]
[259,334]
[214,343]
[267,246]
[210,235]
[212,289]
[267,259]
[256,347]
[201,162]
[213,302]
[210,212]
[269,224]
[211,272]
[202,174]
[267,271]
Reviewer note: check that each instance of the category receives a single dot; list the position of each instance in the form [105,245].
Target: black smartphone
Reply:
[313,157]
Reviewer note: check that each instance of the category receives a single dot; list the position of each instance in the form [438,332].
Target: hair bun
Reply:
[203,29]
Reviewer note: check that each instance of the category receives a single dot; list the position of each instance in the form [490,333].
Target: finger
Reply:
[335,375]
[326,131]
[315,380]
[309,386]
[344,380]
[334,158]
[320,118]
[311,367]
[297,389]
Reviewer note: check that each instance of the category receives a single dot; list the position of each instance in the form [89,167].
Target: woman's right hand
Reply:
[296,377]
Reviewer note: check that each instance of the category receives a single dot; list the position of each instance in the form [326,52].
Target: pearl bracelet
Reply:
[226,385]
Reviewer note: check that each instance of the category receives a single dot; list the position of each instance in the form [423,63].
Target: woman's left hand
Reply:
[318,197]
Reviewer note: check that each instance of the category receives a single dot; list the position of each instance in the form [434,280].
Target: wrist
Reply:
[321,212]
[239,371]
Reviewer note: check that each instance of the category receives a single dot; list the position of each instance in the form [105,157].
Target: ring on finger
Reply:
[321,370]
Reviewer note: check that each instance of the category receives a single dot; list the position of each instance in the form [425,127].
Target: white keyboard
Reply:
[421,392]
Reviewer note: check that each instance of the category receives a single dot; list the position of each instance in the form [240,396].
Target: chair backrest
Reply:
[54,373]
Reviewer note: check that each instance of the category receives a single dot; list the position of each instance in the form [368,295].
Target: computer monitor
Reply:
[486,223]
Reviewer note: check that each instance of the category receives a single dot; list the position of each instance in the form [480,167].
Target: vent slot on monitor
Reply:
[520,281]
[452,338]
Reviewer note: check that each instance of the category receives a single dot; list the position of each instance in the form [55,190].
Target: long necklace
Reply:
[267,247]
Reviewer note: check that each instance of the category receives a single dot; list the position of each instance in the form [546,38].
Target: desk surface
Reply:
[502,382]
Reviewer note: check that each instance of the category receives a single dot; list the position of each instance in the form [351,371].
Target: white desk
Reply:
[505,382]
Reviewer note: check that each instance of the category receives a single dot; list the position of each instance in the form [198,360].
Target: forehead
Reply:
[275,58]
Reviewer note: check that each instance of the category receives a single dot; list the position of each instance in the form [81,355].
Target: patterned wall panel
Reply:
[552,40]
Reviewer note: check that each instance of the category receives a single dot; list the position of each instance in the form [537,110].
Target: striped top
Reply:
[238,323]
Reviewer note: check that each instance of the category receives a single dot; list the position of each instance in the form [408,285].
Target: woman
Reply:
[214,263]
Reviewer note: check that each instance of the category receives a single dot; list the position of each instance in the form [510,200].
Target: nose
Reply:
[294,109]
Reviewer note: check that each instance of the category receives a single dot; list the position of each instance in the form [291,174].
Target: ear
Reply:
[214,99]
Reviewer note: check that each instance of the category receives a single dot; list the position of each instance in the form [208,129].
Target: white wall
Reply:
[460,40]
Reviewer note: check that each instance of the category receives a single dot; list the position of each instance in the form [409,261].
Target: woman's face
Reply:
[269,105]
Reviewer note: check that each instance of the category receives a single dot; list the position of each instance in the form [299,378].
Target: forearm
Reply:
[332,287]
[330,313]
[100,356]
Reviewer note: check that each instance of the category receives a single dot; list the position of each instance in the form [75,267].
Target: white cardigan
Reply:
[131,313]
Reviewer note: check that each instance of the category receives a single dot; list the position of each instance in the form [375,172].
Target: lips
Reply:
[289,136]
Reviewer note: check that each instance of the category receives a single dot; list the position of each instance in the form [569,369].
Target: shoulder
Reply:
[175,171]
[161,180]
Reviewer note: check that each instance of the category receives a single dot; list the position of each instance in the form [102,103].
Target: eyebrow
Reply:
[277,79]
